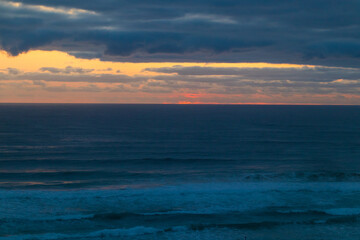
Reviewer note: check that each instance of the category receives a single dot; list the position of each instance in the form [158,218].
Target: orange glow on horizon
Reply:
[62,91]
[36,59]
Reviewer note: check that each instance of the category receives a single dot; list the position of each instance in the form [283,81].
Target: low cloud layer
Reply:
[311,32]
[66,70]
[199,81]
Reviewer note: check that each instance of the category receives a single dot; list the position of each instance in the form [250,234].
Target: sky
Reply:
[204,51]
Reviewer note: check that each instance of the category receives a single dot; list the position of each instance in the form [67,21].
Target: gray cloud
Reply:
[268,81]
[14,71]
[313,32]
[66,70]
[90,78]
[304,74]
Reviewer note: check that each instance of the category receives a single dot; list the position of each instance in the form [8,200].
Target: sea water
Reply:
[97,171]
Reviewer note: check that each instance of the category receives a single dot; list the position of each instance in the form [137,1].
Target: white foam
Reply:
[206,198]
[138,230]
[343,211]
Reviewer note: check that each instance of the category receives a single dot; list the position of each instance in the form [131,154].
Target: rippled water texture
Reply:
[179,172]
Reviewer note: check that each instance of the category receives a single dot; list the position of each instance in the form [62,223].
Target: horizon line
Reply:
[230,104]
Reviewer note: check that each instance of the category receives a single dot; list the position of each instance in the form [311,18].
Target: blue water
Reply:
[179,172]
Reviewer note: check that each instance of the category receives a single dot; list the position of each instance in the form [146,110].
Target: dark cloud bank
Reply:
[324,32]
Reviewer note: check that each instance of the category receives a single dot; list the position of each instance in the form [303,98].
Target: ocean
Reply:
[117,171]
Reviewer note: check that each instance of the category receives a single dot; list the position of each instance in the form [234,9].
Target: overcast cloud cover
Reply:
[322,32]
[321,38]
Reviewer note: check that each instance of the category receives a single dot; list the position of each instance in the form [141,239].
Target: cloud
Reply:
[89,78]
[267,81]
[13,71]
[336,48]
[303,74]
[313,32]
[66,70]
[191,17]
[72,12]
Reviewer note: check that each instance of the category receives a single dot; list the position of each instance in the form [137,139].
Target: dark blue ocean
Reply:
[97,171]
